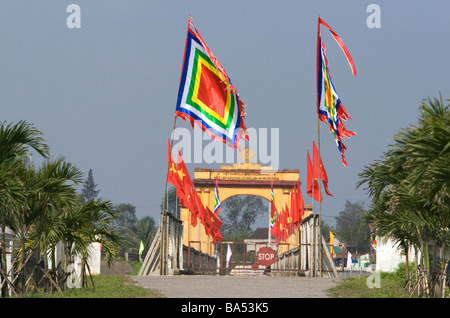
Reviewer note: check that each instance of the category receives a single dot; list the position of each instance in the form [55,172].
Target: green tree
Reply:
[141,231]
[239,213]
[144,231]
[15,142]
[126,215]
[51,194]
[132,229]
[88,223]
[352,227]
[89,191]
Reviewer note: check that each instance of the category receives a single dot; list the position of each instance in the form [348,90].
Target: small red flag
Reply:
[185,179]
[321,168]
[312,185]
[172,175]
[301,203]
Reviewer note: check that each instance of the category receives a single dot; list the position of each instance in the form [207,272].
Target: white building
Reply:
[389,255]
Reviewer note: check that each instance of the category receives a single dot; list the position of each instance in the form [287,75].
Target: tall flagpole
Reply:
[318,165]
[320,201]
[163,254]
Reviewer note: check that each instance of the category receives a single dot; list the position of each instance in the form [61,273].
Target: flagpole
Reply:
[163,253]
[320,201]
[320,175]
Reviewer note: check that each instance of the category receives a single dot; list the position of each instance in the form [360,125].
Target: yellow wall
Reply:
[238,179]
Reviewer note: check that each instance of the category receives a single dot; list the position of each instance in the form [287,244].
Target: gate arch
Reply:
[239,179]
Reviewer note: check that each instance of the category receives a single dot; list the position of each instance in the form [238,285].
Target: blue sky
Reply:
[104,95]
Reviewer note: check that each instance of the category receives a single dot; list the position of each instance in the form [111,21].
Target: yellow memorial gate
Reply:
[239,179]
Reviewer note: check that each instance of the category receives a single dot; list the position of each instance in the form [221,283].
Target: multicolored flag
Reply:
[330,109]
[273,208]
[206,96]
[374,244]
[217,204]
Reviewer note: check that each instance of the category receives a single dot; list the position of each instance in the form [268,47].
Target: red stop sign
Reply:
[266,256]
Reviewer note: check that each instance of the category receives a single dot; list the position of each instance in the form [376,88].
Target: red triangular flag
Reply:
[323,173]
[312,185]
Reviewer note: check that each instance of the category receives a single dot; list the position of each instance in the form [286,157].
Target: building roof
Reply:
[261,233]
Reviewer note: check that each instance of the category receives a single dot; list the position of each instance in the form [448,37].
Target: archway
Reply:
[239,179]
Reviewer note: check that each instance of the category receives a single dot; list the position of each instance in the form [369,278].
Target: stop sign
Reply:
[266,256]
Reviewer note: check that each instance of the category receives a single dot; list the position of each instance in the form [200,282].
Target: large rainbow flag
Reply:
[206,95]
[329,107]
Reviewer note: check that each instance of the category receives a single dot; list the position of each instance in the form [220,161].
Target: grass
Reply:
[390,286]
[105,286]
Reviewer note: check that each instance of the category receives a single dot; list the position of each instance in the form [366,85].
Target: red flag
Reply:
[192,206]
[182,197]
[312,186]
[172,175]
[299,206]
[215,224]
[206,221]
[185,180]
[321,168]
[285,224]
[294,208]
[309,176]
[200,208]
[289,223]
[341,44]
[301,203]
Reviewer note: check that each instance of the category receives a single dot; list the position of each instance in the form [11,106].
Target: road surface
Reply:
[206,286]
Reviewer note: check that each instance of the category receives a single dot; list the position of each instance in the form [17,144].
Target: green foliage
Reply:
[239,213]
[132,230]
[89,191]
[42,209]
[410,185]
[353,228]
[391,285]
[126,215]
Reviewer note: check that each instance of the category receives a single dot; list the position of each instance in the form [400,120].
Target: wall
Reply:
[389,256]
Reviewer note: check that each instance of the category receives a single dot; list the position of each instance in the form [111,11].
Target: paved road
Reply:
[204,286]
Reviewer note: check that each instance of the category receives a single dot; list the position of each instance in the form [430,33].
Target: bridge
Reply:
[188,249]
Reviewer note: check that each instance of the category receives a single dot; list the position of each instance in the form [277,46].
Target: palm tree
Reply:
[51,193]
[141,231]
[410,186]
[42,209]
[15,142]
[90,222]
